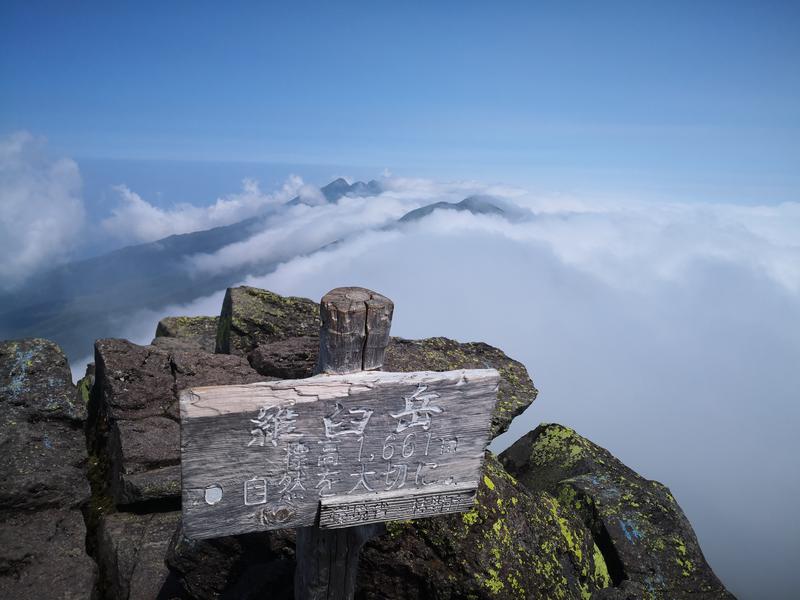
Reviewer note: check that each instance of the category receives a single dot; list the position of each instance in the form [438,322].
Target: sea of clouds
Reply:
[667,332]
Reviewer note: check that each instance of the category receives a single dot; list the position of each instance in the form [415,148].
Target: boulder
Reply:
[246,567]
[251,317]
[198,333]
[131,550]
[516,390]
[514,543]
[280,337]
[43,555]
[637,524]
[292,358]
[134,429]
[35,377]
[43,465]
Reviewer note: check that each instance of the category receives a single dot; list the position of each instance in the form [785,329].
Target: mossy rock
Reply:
[280,337]
[251,317]
[512,544]
[516,390]
[200,332]
[637,523]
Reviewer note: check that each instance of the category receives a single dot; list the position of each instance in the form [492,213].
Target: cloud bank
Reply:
[135,220]
[669,333]
[41,209]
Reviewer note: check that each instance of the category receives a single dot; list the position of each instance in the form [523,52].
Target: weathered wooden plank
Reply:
[263,456]
[396,505]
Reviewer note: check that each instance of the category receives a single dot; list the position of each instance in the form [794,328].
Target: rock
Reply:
[251,317]
[513,544]
[134,426]
[169,344]
[43,465]
[251,566]
[292,358]
[35,376]
[516,391]
[637,524]
[43,555]
[194,332]
[131,550]
[194,369]
[280,337]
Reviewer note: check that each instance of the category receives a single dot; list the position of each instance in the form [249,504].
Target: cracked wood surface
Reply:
[263,456]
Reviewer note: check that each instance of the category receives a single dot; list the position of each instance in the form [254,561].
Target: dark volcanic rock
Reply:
[516,391]
[251,566]
[42,555]
[131,550]
[43,469]
[638,525]
[35,377]
[194,332]
[292,358]
[251,317]
[513,544]
[43,464]
[134,416]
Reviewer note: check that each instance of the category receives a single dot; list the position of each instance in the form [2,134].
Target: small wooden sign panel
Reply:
[333,450]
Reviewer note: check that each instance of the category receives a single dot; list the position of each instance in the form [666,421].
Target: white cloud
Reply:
[301,229]
[665,332]
[41,209]
[135,220]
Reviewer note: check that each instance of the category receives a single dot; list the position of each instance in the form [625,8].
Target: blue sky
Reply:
[684,101]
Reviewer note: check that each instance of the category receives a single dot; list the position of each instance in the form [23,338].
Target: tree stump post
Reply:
[353,337]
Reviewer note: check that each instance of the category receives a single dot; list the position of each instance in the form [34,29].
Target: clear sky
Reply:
[691,100]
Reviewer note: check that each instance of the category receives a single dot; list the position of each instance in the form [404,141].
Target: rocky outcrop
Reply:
[134,415]
[516,390]
[292,358]
[43,465]
[247,567]
[131,550]
[187,333]
[637,523]
[251,317]
[513,544]
[556,516]
[280,338]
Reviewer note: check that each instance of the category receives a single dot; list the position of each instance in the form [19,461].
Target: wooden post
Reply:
[353,337]
[380,447]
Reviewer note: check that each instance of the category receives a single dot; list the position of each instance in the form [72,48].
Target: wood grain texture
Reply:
[396,505]
[354,331]
[263,456]
[327,561]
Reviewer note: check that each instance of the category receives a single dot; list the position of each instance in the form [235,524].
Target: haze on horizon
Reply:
[652,288]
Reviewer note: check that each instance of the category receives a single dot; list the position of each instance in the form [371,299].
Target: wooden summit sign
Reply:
[337,454]
[349,449]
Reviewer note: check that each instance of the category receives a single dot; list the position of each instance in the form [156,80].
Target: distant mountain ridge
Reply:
[76,303]
[478,205]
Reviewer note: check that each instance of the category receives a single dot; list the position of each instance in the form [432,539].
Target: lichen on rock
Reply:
[512,544]
[637,524]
